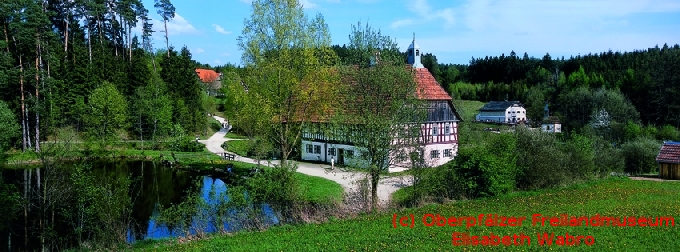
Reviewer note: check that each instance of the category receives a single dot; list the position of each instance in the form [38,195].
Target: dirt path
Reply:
[652,179]
[347,180]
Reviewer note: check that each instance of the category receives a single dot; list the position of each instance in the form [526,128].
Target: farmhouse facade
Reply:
[438,136]
[211,80]
[510,112]
[669,160]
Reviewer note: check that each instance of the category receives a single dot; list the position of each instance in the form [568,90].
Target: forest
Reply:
[77,66]
[62,62]
[576,88]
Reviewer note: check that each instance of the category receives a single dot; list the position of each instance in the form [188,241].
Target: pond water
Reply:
[52,204]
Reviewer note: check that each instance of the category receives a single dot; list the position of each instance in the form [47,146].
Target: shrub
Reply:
[539,160]
[640,155]
[580,156]
[668,132]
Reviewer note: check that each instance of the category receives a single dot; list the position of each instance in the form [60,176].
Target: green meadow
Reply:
[615,197]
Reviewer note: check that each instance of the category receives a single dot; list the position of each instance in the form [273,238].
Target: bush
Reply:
[668,133]
[539,160]
[607,158]
[490,169]
[640,155]
[580,157]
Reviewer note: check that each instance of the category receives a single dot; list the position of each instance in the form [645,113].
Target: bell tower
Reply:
[414,54]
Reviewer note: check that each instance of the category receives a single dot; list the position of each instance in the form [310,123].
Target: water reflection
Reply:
[51,209]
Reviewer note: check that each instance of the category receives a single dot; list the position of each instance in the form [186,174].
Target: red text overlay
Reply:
[535,220]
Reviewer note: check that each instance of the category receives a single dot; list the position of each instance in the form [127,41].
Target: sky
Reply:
[455,31]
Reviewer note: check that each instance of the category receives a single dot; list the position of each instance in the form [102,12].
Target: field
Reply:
[616,197]
[468,109]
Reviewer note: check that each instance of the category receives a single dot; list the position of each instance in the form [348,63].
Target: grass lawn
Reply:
[468,109]
[240,147]
[314,189]
[233,135]
[376,232]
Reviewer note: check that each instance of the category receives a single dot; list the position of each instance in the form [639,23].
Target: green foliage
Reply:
[103,207]
[108,112]
[631,131]
[288,78]
[640,155]
[668,133]
[9,128]
[9,203]
[540,161]
[580,157]
[181,141]
[488,170]
[464,91]
[535,103]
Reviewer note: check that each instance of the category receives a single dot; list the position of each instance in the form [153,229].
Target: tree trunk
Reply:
[24,131]
[167,45]
[129,42]
[375,178]
[89,41]
[4,28]
[37,94]
[66,37]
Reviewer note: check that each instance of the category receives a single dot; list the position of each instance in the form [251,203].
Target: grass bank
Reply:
[375,232]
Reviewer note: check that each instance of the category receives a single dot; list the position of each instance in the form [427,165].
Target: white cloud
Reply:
[176,26]
[307,4]
[425,13]
[197,51]
[553,16]
[400,23]
[218,62]
[226,54]
[219,29]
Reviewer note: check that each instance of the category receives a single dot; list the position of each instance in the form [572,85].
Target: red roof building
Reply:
[439,135]
[211,79]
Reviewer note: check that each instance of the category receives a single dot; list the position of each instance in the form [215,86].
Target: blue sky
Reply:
[453,30]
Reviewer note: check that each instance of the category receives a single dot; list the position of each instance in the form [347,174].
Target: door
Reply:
[341,156]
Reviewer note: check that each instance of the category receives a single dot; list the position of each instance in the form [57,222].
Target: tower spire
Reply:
[414,54]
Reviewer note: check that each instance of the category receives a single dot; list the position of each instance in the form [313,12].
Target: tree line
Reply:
[77,64]
[646,79]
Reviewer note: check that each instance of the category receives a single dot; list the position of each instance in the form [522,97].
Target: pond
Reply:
[117,200]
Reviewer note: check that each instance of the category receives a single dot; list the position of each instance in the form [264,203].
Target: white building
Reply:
[439,133]
[550,123]
[510,112]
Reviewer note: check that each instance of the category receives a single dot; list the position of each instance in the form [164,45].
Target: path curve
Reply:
[347,180]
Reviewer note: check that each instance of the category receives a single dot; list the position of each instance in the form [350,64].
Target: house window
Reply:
[331,151]
[350,153]
[317,149]
[309,148]
[447,153]
[447,129]
[435,130]
[417,52]
[434,154]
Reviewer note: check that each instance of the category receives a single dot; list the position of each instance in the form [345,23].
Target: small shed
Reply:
[669,160]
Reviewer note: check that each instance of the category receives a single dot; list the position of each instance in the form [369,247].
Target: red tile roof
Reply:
[206,75]
[669,153]
[428,88]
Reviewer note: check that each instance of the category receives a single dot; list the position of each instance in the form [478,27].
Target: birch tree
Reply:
[380,100]
[288,79]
